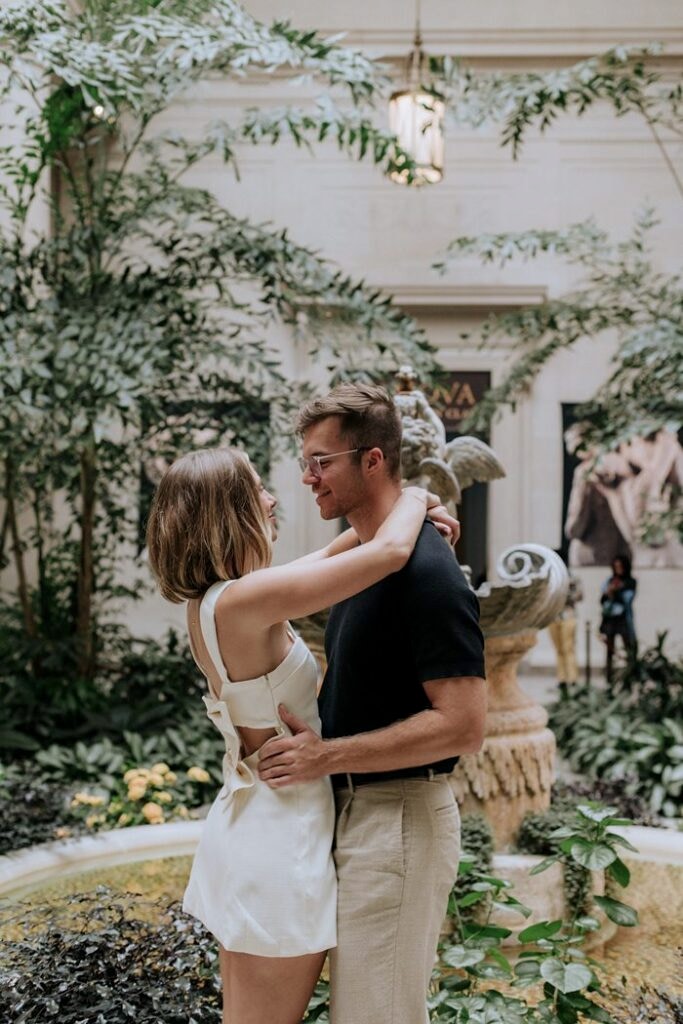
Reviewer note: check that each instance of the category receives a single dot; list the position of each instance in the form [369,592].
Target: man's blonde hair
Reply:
[206,523]
[368,419]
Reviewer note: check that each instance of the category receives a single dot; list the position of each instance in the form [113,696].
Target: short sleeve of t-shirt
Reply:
[442,613]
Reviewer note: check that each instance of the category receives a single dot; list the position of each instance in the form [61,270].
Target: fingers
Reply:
[295,724]
[275,746]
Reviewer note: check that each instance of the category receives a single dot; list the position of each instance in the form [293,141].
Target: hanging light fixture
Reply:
[415,117]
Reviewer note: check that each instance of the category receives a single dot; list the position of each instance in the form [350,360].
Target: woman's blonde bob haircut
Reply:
[206,523]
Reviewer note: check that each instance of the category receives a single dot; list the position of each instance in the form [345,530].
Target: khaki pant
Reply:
[396,853]
[563,635]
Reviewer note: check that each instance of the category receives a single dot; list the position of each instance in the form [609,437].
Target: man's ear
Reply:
[374,460]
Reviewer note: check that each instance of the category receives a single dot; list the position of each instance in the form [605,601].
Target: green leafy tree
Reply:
[624,77]
[622,292]
[136,325]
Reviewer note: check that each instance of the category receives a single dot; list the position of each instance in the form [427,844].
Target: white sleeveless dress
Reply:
[263,879]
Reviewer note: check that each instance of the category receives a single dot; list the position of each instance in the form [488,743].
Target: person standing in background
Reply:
[563,635]
[617,594]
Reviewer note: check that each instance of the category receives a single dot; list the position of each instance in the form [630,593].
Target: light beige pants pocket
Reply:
[396,853]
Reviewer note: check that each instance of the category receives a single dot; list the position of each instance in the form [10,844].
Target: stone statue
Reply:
[427,458]
[514,770]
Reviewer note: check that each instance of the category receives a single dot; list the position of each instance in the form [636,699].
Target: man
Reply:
[403,695]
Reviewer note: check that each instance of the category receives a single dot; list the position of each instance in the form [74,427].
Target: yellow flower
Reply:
[198,774]
[156,779]
[124,819]
[164,798]
[94,819]
[182,812]
[80,798]
[131,774]
[153,813]
[161,767]
[62,832]
[171,778]
[137,790]
[96,801]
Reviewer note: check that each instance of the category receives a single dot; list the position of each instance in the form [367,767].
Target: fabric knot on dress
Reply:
[237,775]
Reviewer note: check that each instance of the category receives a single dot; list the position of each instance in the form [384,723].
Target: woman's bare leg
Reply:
[267,990]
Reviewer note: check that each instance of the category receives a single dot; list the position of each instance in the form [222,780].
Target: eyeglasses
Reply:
[315,464]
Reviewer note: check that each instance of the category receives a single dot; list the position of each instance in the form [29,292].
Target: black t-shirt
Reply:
[415,625]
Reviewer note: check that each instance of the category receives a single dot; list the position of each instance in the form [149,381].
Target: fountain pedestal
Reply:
[513,772]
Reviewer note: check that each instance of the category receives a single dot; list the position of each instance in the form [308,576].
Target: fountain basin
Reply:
[38,865]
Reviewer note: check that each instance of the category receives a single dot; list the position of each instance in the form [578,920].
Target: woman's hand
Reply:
[446,524]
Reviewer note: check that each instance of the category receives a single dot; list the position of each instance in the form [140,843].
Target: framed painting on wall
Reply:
[612,504]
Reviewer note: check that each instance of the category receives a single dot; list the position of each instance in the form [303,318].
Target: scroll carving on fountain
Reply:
[514,771]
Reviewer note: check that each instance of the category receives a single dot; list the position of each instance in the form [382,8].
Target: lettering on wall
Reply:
[456,395]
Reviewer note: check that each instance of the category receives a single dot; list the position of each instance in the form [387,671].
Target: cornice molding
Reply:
[515,43]
[442,298]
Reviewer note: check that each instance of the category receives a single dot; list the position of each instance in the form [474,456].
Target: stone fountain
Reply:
[514,771]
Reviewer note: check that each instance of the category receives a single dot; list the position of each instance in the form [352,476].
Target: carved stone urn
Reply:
[513,772]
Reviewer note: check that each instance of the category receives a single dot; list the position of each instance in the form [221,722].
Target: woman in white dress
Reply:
[263,879]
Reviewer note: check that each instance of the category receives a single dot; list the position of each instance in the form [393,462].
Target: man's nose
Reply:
[308,477]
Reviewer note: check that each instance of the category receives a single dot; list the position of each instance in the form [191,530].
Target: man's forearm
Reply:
[454,724]
[421,739]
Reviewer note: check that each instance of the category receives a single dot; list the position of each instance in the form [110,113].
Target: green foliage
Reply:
[621,292]
[568,794]
[32,809]
[625,77]
[136,328]
[36,793]
[190,741]
[476,840]
[144,795]
[120,959]
[536,835]
[632,736]
[651,683]
[552,956]
[140,686]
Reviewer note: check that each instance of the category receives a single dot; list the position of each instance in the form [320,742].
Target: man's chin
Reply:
[329,512]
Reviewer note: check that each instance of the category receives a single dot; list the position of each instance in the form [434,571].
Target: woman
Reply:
[616,598]
[263,879]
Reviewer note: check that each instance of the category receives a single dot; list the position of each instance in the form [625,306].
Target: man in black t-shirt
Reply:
[403,696]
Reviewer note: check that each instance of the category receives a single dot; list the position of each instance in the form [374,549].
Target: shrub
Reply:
[535,836]
[145,686]
[602,791]
[625,737]
[652,683]
[125,960]
[476,840]
[191,740]
[31,809]
[144,796]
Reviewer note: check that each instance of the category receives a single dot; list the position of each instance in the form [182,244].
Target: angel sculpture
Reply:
[446,468]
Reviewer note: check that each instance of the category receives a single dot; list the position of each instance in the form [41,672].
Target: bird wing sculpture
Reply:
[439,478]
[473,461]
